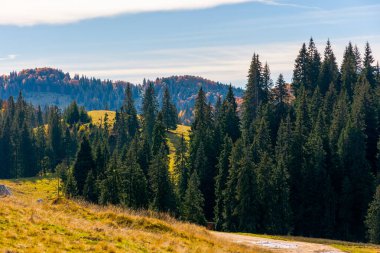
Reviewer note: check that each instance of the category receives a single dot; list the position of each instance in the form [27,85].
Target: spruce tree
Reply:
[349,70]
[90,192]
[373,218]
[202,151]
[193,202]
[329,72]
[267,84]
[230,118]
[282,95]
[55,135]
[313,67]
[300,135]
[26,165]
[246,198]
[181,167]
[300,70]
[169,111]
[149,111]
[314,176]
[221,181]
[163,198]
[365,99]
[70,188]
[338,122]
[358,182]
[84,163]
[110,187]
[280,210]
[134,183]
[263,192]
[144,153]
[253,95]
[230,216]
[71,114]
[262,140]
[130,112]
[159,135]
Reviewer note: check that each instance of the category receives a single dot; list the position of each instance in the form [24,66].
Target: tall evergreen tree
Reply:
[159,135]
[282,95]
[246,209]
[267,84]
[181,166]
[313,66]
[163,198]
[221,181]
[71,114]
[357,185]
[373,218]
[300,70]
[202,151]
[84,163]
[280,210]
[90,192]
[329,72]
[55,135]
[193,202]
[134,183]
[169,111]
[349,70]
[230,118]
[230,216]
[253,95]
[149,111]
[110,187]
[129,110]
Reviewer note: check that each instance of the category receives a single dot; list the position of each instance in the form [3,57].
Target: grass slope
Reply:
[97,116]
[73,226]
[174,139]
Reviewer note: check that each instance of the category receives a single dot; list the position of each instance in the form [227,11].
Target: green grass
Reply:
[349,247]
[57,225]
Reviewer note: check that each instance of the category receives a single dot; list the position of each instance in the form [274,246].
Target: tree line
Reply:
[305,165]
[47,86]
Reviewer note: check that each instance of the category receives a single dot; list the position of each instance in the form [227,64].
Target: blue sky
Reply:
[215,39]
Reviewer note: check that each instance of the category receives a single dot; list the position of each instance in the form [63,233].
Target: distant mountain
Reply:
[47,86]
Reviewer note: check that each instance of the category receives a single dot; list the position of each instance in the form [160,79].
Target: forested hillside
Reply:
[46,86]
[305,165]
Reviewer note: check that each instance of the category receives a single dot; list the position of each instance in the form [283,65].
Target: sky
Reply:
[131,40]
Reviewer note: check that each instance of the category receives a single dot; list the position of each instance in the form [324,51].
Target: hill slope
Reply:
[66,225]
[47,86]
[33,220]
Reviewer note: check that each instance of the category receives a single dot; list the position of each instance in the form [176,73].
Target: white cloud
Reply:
[8,57]
[224,63]
[32,12]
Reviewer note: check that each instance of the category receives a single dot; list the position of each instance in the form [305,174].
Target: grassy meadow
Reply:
[61,225]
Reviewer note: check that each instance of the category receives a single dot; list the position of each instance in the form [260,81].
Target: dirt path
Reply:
[278,245]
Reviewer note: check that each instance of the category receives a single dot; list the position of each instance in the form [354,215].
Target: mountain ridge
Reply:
[47,86]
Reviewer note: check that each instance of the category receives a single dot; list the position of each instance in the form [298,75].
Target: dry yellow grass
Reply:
[74,226]
[97,116]
[173,140]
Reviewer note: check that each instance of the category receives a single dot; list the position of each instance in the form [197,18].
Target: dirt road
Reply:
[278,245]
